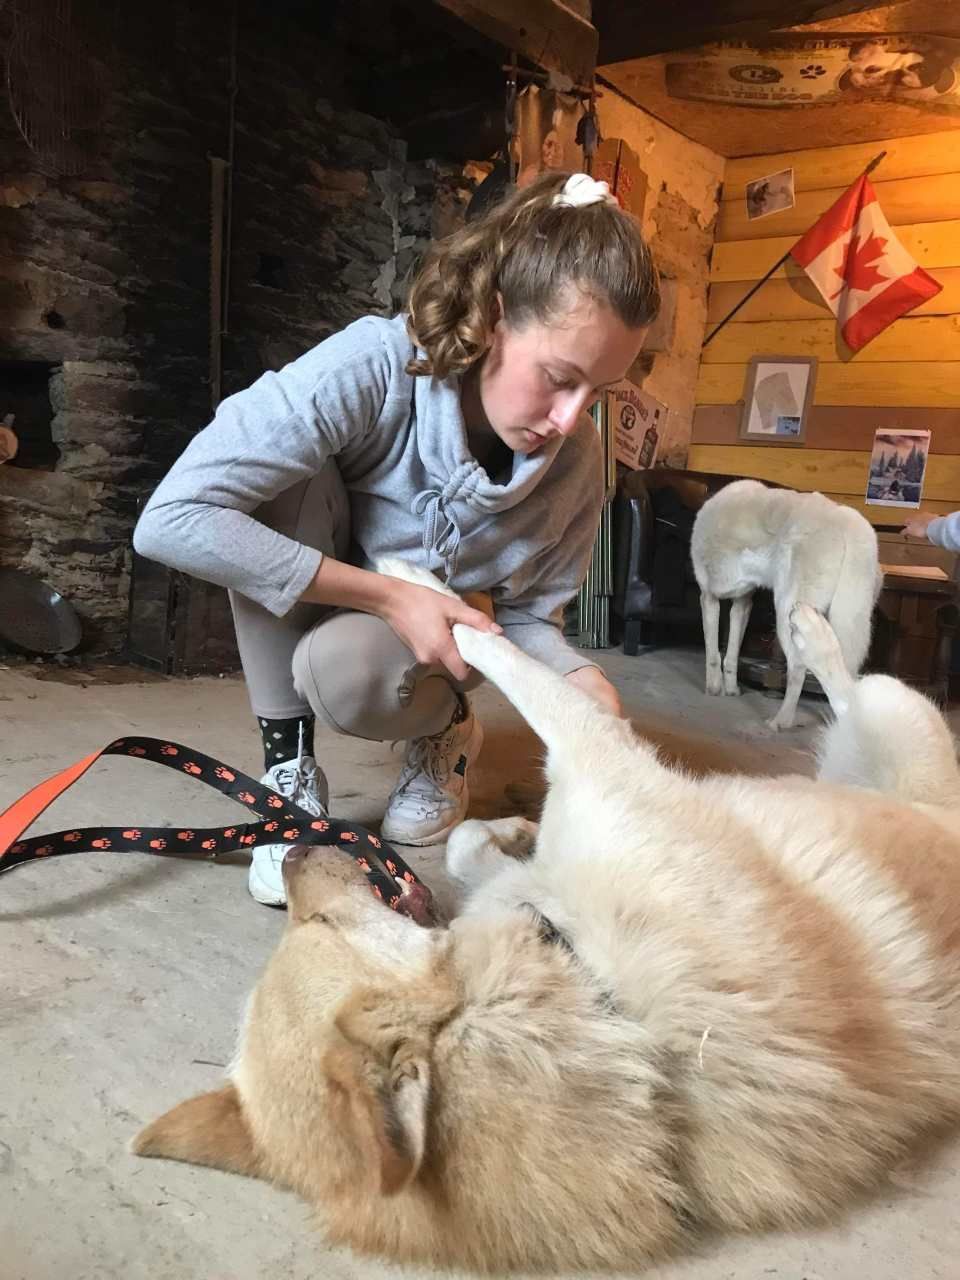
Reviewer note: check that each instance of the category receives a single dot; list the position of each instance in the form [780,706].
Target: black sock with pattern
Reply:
[281,738]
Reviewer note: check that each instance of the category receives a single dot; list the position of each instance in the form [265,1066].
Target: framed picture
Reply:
[771,194]
[777,398]
[897,467]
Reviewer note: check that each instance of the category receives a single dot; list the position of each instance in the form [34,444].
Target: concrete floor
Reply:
[123,978]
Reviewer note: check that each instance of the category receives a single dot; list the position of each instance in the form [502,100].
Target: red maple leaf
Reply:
[857,270]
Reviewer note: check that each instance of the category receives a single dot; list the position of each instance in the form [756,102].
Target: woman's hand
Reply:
[916,526]
[424,620]
[591,680]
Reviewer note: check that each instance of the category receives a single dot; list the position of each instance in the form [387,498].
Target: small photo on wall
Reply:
[777,398]
[771,194]
[897,467]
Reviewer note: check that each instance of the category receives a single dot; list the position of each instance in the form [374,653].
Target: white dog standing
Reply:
[806,550]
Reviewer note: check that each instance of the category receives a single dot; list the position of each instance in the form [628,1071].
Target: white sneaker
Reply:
[431,794]
[305,784]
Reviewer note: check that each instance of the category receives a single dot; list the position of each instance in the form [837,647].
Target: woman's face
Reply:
[536,381]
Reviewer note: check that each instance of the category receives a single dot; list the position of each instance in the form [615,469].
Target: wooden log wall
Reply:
[909,376]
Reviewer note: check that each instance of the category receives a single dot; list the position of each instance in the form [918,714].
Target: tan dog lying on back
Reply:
[729,1003]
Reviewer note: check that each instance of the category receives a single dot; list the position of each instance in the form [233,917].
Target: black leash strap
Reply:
[281,821]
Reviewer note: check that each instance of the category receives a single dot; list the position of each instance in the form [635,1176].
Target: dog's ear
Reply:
[210,1129]
[380,1067]
[386,1106]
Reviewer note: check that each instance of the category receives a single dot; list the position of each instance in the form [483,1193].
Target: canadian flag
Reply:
[865,275]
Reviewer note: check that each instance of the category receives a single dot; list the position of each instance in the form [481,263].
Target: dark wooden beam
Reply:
[551,34]
[635,29]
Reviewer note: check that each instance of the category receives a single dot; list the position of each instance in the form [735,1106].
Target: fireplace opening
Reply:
[25,394]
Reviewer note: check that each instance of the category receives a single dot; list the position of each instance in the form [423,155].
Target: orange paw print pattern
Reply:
[291,833]
[230,832]
[209,844]
[73,836]
[270,826]
[248,839]
[226,774]
[274,802]
[168,750]
[350,836]
[246,798]
[132,833]
[158,844]
[17,848]
[44,850]
[100,844]
[192,768]
[363,864]
[184,835]
[377,844]
[391,867]
[408,876]
[136,751]
[376,890]
[320,825]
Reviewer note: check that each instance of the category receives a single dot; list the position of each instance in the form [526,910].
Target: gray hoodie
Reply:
[945,531]
[415,489]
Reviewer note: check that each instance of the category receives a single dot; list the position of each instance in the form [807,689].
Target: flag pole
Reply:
[776,267]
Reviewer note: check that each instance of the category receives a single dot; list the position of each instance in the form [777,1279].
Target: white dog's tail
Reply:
[858,586]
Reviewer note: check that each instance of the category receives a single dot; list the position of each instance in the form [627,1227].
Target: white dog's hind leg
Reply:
[796,673]
[814,637]
[740,608]
[476,850]
[886,736]
[710,612]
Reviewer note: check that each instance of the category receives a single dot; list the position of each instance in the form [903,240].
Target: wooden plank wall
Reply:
[909,376]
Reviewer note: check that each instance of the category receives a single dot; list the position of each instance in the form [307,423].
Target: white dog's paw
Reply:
[474,645]
[477,850]
[714,682]
[813,635]
[730,687]
[393,567]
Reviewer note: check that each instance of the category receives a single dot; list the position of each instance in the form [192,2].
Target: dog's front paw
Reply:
[474,645]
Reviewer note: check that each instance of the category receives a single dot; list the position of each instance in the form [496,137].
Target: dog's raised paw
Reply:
[393,567]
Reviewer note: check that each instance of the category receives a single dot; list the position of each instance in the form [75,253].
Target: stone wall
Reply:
[104,276]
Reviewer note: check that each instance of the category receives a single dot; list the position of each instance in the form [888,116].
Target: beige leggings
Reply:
[351,669]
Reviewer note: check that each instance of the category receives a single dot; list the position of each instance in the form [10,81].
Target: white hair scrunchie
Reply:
[580,189]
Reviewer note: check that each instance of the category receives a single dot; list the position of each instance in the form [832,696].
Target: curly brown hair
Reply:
[532,253]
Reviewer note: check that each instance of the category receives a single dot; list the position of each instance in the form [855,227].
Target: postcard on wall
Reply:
[771,194]
[897,467]
[637,421]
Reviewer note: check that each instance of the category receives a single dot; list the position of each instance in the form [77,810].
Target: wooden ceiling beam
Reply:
[553,35]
